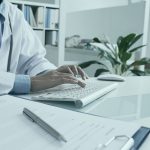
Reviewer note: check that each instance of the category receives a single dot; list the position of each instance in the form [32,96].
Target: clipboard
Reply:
[140,137]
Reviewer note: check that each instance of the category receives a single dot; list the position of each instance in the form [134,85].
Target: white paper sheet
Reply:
[82,131]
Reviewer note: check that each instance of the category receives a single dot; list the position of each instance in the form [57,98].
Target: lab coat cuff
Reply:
[22,84]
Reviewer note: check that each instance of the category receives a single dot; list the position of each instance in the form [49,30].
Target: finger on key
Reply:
[82,84]
[82,73]
[74,70]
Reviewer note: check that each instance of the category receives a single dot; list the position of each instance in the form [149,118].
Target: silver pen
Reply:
[33,117]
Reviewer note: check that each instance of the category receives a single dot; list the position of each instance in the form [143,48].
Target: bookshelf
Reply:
[43,18]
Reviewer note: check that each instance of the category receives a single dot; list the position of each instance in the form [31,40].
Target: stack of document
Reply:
[82,131]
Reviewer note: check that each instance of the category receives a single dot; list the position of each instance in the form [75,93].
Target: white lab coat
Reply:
[28,52]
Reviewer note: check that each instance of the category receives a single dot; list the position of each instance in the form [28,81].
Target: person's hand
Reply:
[62,75]
[74,70]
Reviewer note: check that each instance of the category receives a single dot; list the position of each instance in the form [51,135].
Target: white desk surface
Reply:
[19,133]
[129,102]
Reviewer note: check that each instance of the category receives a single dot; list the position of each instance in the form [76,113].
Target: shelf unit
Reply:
[44,33]
[75,6]
[68,6]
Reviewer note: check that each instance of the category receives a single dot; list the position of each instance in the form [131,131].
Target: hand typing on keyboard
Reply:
[62,75]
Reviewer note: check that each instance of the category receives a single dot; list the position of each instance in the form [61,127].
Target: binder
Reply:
[32,18]
[52,19]
[47,17]
[25,12]
[39,17]
[52,38]
[28,14]
[56,19]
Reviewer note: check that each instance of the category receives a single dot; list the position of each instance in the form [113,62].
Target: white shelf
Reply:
[21,2]
[39,29]
[36,28]
[48,29]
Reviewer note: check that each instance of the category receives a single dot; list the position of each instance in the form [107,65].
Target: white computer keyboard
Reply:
[81,96]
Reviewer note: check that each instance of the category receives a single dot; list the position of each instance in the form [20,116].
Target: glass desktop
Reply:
[127,108]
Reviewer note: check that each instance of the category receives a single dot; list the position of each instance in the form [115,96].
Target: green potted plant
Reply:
[117,58]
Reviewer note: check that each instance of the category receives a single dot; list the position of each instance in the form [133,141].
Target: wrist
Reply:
[34,84]
[37,83]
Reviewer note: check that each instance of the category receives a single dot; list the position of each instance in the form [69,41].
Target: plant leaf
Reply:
[135,40]
[125,56]
[88,63]
[100,71]
[140,62]
[96,40]
[129,38]
[138,72]
[135,49]
[119,40]
[125,42]
[124,68]
[101,53]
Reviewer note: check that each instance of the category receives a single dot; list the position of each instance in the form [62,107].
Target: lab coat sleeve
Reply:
[6,82]
[32,59]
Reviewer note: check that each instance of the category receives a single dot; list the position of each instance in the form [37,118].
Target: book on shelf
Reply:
[39,17]
[52,18]
[52,38]
[25,12]
[56,18]
[32,18]
[29,16]
[47,17]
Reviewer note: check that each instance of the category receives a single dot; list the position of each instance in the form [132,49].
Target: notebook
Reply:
[93,90]
[82,131]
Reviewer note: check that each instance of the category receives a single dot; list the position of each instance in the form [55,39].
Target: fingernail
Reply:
[82,84]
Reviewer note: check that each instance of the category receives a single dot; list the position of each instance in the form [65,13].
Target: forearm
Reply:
[24,84]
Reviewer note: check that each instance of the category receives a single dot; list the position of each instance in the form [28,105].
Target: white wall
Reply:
[111,22]
[148,44]
[78,5]
[123,20]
